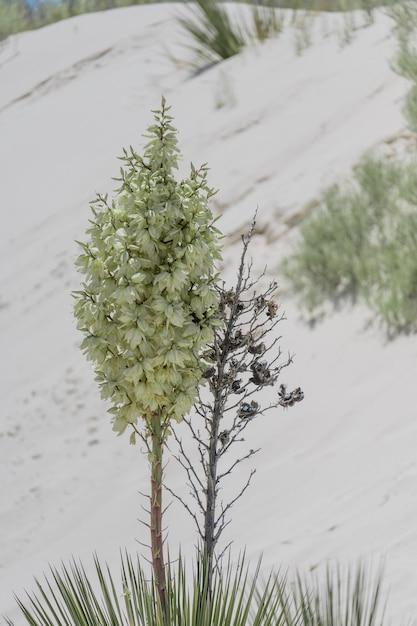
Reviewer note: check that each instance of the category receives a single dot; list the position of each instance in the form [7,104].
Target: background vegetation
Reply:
[361,243]
[21,15]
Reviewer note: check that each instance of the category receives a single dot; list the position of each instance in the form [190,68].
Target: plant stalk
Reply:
[211,536]
[156,510]
[210,512]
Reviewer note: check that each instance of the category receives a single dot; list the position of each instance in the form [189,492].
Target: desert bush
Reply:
[359,244]
[405,64]
[16,16]
[12,18]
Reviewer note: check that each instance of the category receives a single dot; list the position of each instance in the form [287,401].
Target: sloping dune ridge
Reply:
[337,475]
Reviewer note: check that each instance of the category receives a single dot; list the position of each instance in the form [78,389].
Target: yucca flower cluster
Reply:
[148,303]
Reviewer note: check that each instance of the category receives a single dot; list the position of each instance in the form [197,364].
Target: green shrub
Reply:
[395,270]
[216,35]
[360,244]
[12,18]
[15,18]
[405,18]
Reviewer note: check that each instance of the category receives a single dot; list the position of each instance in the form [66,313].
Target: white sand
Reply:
[337,477]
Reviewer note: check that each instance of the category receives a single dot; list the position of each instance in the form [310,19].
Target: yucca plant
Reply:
[344,596]
[69,597]
[214,33]
[148,304]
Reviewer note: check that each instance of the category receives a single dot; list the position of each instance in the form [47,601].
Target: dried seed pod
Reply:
[209,373]
[272,307]
[237,366]
[248,410]
[261,375]
[238,340]
[224,438]
[289,398]
[257,348]
[260,302]
[227,297]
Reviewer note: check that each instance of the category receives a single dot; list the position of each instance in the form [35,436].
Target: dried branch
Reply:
[187,508]
[244,358]
[222,516]
[232,467]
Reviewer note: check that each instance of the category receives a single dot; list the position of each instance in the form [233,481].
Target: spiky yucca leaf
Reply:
[343,597]
[70,597]
[213,32]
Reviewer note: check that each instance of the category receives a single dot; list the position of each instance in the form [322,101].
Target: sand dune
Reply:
[337,477]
